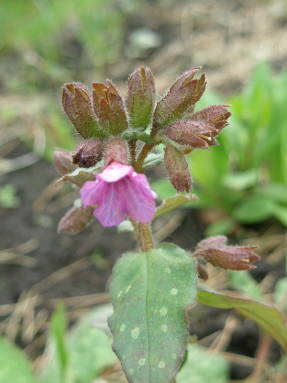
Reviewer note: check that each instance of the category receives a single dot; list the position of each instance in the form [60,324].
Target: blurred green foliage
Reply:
[59,133]
[202,366]
[81,355]
[245,283]
[75,357]
[47,26]
[14,365]
[8,197]
[45,43]
[246,176]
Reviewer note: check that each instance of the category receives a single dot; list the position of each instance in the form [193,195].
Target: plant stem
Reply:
[145,238]
[141,157]
[132,146]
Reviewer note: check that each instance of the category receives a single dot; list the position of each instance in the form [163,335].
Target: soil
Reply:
[52,251]
[62,266]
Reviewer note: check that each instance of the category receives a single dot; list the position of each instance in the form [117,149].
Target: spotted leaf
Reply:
[149,292]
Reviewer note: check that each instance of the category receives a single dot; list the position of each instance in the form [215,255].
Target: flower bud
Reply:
[177,169]
[217,115]
[88,153]
[215,251]
[197,134]
[75,220]
[116,150]
[141,97]
[63,161]
[77,104]
[180,99]
[109,107]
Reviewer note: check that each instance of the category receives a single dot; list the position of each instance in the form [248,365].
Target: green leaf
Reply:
[243,282]
[280,293]
[58,324]
[241,181]
[224,226]
[203,366]
[149,293]
[135,134]
[172,203]
[209,167]
[276,192]
[254,209]
[153,159]
[266,316]
[14,365]
[90,348]
[163,188]
[280,212]
[80,175]
[90,351]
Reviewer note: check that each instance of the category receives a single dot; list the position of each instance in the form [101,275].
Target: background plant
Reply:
[245,177]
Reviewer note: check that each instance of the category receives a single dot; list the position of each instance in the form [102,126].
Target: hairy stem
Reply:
[132,147]
[142,156]
[145,238]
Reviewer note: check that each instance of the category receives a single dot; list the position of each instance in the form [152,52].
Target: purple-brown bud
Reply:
[177,169]
[215,251]
[217,115]
[75,220]
[63,161]
[109,107]
[180,99]
[88,153]
[141,97]
[197,134]
[77,104]
[116,150]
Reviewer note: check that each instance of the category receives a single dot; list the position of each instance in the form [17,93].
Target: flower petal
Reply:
[139,198]
[115,172]
[142,180]
[111,210]
[93,192]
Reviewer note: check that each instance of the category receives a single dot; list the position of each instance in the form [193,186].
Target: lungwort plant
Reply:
[153,288]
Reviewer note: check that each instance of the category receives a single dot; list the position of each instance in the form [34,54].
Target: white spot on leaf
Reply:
[163,311]
[135,332]
[122,328]
[161,364]
[173,291]
[141,362]
[167,270]
[163,328]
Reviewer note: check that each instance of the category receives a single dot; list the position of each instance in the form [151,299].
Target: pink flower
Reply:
[118,192]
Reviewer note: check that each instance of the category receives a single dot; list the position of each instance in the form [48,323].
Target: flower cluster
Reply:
[117,136]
